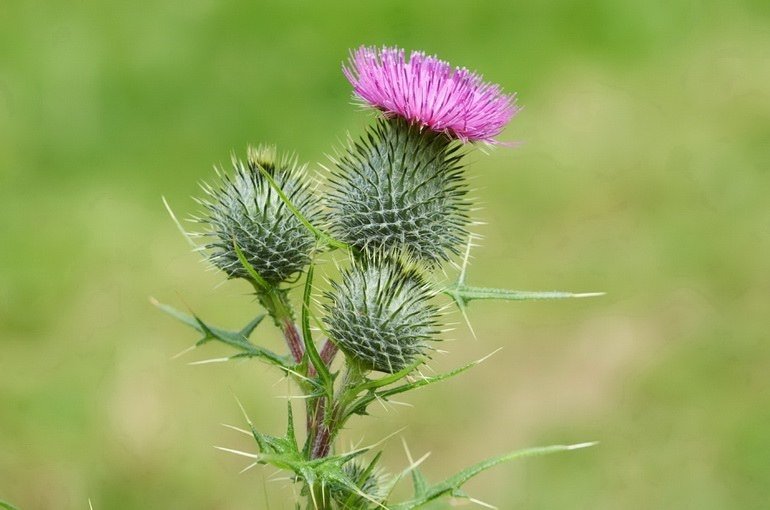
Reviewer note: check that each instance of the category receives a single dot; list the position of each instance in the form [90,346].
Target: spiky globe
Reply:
[243,209]
[400,189]
[379,314]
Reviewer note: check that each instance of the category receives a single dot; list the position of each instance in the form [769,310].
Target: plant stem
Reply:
[329,418]
[293,339]
[328,352]
[277,304]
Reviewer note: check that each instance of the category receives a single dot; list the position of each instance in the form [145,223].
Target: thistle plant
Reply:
[387,222]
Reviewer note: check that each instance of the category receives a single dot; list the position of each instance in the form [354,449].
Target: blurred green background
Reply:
[644,172]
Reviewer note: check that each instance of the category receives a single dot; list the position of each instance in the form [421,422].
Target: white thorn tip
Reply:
[578,446]
[207,361]
[238,452]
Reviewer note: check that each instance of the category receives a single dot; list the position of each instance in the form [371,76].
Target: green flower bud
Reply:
[380,315]
[243,209]
[371,485]
[400,189]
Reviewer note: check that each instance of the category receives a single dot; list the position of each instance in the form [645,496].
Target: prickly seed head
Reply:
[400,189]
[380,315]
[243,209]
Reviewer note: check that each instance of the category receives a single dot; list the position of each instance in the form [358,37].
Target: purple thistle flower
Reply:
[429,92]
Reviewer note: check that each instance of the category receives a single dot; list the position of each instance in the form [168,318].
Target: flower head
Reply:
[243,210]
[400,190]
[380,316]
[429,92]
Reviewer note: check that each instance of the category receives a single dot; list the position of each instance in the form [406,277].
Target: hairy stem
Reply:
[293,339]
[328,352]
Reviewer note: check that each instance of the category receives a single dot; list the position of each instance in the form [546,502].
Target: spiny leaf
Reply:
[249,328]
[237,339]
[371,384]
[453,484]
[290,435]
[359,407]
[464,294]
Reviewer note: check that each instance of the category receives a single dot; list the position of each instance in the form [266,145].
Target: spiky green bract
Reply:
[400,189]
[243,212]
[368,485]
[380,314]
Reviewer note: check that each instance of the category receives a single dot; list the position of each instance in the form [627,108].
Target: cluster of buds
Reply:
[396,197]
[395,200]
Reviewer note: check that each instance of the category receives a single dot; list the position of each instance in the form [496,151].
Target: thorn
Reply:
[183,352]
[381,441]
[589,294]
[248,420]
[237,429]
[466,257]
[207,361]
[238,452]
[406,450]
[247,468]
[295,397]
[578,446]
[467,319]
[178,225]
[482,503]
[482,360]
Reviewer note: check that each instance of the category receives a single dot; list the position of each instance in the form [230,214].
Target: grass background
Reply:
[644,172]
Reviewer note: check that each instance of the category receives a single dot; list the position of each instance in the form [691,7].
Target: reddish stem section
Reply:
[291,334]
[321,443]
[328,351]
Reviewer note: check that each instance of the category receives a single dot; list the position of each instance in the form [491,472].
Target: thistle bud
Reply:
[380,315]
[370,487]
[400,190]
[243,210]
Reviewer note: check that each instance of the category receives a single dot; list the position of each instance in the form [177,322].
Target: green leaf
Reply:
[359,407]
[249,328]
[453,484]
[7,506]
[321,235]
[290,435]
[371,384]
[237,339]
[464,294]
[258,280]
[327,381]
[419,483]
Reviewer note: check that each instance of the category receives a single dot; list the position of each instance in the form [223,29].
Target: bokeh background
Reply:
[644,172]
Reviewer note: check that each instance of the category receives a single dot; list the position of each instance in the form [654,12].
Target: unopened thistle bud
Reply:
[380,315]
[243,210]
[369,487]
[400,190]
